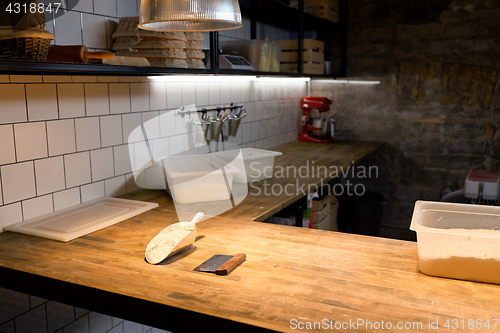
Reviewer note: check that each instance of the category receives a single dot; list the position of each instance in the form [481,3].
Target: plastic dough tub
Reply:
[258,52]
[198,178]
[458,241]
[254,164]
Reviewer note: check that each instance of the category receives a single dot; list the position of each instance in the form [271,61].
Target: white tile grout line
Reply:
[25,312]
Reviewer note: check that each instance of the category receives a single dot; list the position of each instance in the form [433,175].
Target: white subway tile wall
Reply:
[139,94]
[94,31]
[49,175]
[96,99]
[37,206]
[21,313]
[13,105]
[87,133]
[68,28]
[102,164]
[18,182]
[61,137]
[92,191]
[71,100]
[73,140]
[63,140]
[7,150]
[119,98]
[111,131]
[67,198]
[77,169]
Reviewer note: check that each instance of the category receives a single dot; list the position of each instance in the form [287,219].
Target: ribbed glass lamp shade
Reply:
[190,15]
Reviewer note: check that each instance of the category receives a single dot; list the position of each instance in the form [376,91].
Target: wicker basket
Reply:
[24,43]
[27,40]
[128,27]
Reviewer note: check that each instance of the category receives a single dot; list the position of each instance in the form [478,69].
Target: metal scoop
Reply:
[166,243]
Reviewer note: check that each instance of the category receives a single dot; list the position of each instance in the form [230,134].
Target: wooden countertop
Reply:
[335,158]
[292,276]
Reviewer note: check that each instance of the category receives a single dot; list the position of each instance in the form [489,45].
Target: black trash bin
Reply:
[361,214]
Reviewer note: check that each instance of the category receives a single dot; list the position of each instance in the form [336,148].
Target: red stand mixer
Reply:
[317,130]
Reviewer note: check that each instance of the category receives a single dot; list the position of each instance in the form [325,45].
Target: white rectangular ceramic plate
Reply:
[82,219]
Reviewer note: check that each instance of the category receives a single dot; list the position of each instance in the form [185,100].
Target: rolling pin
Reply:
[75,54]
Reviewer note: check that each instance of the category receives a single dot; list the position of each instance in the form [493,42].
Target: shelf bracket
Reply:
[300,37]
[214,51]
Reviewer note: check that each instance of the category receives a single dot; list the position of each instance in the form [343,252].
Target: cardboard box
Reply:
[324,224]
[309,56]
[309,44]
[319,205]
[324,13]
[321,213]
[309,68]
[332,4]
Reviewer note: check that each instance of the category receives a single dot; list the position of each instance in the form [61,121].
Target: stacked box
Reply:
[194,50]
[325,9]
[334,212]
[161,49]
[321,213]
[313,56]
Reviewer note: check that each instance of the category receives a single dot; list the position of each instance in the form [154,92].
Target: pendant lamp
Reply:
[189,15]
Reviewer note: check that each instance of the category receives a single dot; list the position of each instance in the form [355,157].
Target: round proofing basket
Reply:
[25,48]
[24,43]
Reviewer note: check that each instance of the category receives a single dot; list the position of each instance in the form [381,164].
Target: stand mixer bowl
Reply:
[327,128]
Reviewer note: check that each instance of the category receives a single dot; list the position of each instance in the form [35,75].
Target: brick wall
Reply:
[438,103]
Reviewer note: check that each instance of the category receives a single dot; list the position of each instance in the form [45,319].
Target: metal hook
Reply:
[203,114]
[237,114]
[181,111]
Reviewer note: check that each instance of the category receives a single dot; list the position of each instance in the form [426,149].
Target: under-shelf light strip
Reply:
[347,81]
[225,78]
[282,79]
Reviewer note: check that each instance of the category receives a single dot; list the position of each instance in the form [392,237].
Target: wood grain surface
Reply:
[290,276]
[296,155]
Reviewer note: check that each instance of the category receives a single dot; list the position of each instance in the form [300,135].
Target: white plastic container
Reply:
[459,241]
[254,164]
[275,57]
[258,52]
[490,187]
[198,178]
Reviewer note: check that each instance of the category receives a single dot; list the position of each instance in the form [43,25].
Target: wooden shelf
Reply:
[271,12]
[276,13]
[50,68]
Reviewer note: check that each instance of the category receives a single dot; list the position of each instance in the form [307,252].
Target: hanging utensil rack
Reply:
[183,110]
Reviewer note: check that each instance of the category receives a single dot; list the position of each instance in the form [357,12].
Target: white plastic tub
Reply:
[198,178]
[458,241]
[274,63]
[254,164]
[258,52]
